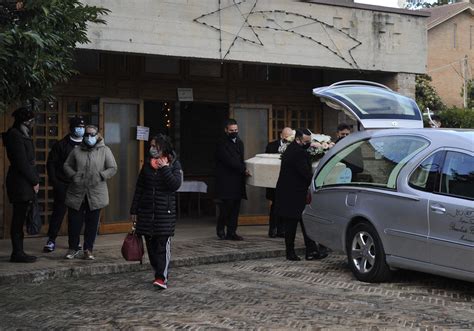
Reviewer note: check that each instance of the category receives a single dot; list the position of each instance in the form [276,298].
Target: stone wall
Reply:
[266,31]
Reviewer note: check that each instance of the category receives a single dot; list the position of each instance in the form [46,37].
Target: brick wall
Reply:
[445,56]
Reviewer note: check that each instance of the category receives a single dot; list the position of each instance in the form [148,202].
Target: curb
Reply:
[38,276]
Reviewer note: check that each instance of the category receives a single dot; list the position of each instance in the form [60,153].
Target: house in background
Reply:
[451,50]
[183,67]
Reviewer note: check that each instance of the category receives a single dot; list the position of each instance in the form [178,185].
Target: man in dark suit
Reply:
[292,187]
[230,180]
[276,228]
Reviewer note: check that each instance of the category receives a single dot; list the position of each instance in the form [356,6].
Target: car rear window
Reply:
[371,162]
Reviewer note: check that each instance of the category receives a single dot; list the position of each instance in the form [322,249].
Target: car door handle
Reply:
[438,209]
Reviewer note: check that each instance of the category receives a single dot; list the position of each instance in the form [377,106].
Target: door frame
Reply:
[254,219]
[106,228]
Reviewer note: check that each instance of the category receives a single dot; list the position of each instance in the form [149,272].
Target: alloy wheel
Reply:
[363,252]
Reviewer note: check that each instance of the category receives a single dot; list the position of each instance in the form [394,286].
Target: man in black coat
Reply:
[276,228]
[22,178]
[291,190]
[55,166]
[230,180]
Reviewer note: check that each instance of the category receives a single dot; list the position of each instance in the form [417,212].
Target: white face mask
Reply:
[90,140]
[154,152]
[79,132]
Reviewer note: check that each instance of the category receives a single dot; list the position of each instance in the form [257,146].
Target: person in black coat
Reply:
[292,187]
[153,207]
[230,180]
[276,227]
[58,179]
[22,178]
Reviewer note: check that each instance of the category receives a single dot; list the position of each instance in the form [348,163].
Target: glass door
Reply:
[120,119]
[253,130]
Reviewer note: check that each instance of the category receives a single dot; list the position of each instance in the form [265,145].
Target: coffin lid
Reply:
[372,104]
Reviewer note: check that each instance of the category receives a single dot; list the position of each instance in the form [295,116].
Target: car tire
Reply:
[365,254]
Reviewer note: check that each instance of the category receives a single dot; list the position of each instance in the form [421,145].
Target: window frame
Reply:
[437,181]
[438,191]
[366,184]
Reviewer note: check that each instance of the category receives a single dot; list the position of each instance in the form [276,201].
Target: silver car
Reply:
[394,198]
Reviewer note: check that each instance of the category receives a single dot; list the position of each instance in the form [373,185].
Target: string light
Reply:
[312,20]
[167,111]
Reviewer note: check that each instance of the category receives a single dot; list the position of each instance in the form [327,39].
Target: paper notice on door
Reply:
[143,133]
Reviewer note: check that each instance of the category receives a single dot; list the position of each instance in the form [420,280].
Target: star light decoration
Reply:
[280,21]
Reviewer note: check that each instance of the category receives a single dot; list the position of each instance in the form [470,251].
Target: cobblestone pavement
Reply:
[264,294]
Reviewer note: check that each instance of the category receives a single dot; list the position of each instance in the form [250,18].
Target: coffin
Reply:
[265,169]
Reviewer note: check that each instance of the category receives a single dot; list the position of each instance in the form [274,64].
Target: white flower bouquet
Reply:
[320,144]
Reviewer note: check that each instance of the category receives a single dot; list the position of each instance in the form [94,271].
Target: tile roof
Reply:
[440,14]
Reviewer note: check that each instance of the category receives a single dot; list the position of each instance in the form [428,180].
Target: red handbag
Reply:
[132,247]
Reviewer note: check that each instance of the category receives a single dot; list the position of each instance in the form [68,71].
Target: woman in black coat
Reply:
[154,204]
[22,179]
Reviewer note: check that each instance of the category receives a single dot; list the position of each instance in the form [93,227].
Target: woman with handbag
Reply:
[89,166]
[22,179]
[154,204]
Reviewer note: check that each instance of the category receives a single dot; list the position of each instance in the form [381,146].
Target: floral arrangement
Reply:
[320,144]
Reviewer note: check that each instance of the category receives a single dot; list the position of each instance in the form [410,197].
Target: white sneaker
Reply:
[88,255]
[73,254]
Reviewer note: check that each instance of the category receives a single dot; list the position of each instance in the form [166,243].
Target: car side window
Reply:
[457,177]
[373,162]
[426,175]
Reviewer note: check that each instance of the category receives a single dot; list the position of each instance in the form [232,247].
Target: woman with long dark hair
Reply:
[154,204]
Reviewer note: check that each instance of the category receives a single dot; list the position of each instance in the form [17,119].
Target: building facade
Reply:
[451,50]
[183,67]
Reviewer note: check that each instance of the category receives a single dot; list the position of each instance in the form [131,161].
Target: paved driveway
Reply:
[269,294]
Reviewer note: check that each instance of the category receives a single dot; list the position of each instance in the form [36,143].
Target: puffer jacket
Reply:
[22,174]
[154,201]
[89,169]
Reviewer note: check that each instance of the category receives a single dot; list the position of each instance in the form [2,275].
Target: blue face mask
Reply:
[90,140]
[79,131]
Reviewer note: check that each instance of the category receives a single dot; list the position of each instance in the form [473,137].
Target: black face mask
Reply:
[306,145]
[29,125]
[233,135]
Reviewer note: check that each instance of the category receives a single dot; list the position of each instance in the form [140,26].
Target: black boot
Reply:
[272,232]
[22,258]
[291,256]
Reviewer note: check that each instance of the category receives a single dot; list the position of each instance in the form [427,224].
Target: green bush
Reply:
[457,118]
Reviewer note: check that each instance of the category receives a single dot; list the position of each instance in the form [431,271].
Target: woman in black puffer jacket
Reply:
[154,204]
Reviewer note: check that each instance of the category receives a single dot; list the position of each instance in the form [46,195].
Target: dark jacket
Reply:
[154,201]
[272,148]
[293,182]
[230,169]
[55,166]
[22,174]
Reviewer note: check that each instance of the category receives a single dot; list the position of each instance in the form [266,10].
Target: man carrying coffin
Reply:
[276,227]
[291,189]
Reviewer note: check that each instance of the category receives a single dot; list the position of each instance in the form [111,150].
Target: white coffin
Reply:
[265,169]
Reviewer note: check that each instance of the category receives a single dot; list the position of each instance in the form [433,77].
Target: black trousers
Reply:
[290,233]
[20,211]
[76,218]
[59,210]
[228,216]
[159,253]
[275,222]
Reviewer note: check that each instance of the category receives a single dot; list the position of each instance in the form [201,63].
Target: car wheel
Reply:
[366,255]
